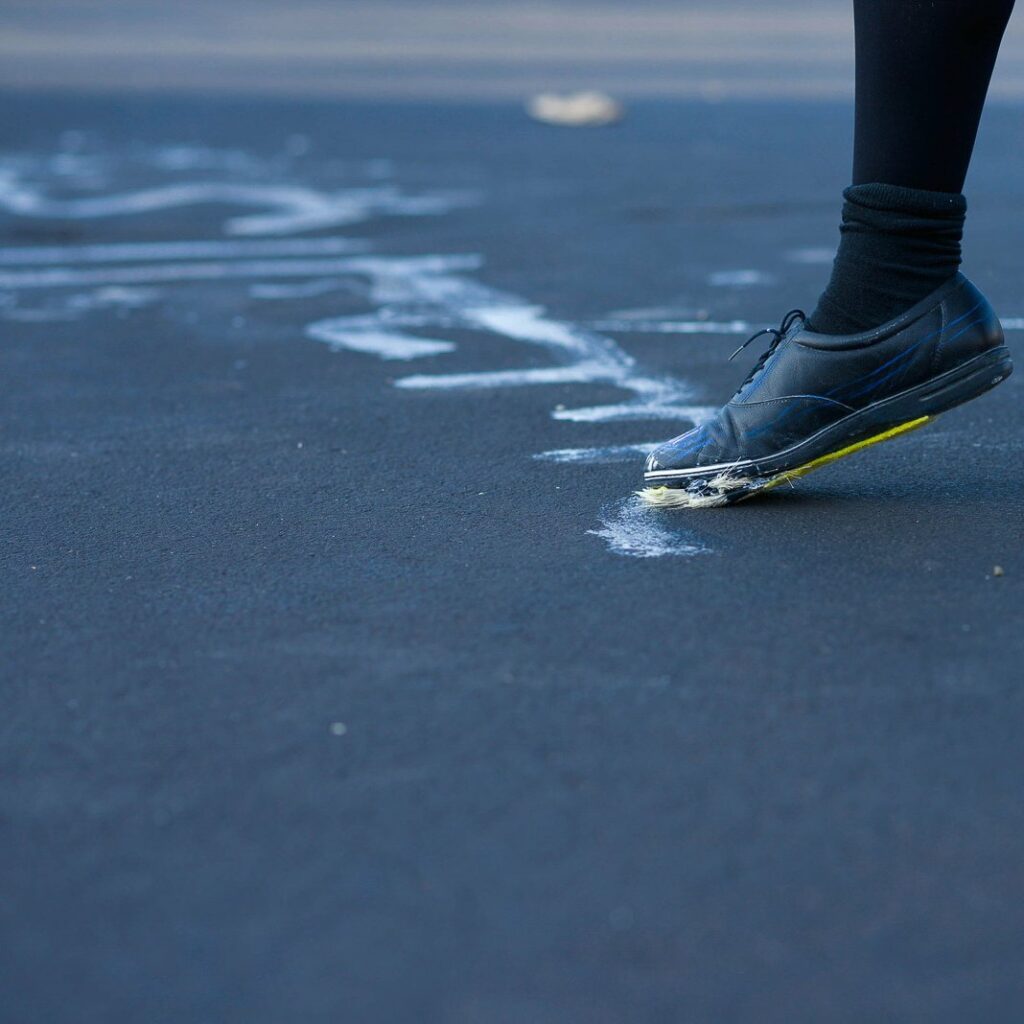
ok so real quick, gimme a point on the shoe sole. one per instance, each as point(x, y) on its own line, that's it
point(727, 483)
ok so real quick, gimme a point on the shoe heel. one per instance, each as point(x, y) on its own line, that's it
point(974, 378)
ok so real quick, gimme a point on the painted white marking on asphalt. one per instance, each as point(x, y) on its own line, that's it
point(632, 529)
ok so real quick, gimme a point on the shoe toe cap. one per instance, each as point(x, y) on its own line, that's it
point(683, 452)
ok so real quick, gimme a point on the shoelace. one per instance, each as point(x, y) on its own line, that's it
point(778, 333)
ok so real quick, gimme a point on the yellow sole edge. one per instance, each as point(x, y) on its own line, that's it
point(824, 460)
point(721, 487)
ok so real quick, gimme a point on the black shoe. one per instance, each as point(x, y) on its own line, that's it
point(813, 398)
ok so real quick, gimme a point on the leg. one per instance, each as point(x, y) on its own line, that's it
point(923, 68)
point(823, 389)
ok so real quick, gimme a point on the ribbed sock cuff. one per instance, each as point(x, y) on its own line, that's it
point(896, 246)
point(915, 201)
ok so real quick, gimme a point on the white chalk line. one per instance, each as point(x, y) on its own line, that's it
point(205, 249)
point(739, 278)
point(432, 291)
point(718, 327)
point(582, 373)
point(296, 208)
point(302, 290)
point(813, 255)
point(599, 456)
point(419, 292)
point(384, 344)
point(427, 290)
point(623, 326)
point(70, 277)
point(69, 307)
point(632, 529)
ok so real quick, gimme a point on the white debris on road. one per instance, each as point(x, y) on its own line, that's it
point(575, 110)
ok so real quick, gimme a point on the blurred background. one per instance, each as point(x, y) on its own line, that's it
point(443, 49)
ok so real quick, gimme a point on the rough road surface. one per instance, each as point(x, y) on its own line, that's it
point(344, 680)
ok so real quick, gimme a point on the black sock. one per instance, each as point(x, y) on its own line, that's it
point(896, 246)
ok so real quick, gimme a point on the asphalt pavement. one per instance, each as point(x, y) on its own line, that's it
point(344, 680)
